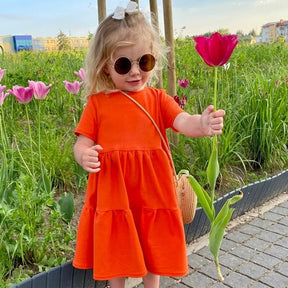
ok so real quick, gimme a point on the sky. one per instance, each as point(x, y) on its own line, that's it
point(46, 18)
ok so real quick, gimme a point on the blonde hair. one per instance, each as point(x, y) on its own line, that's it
point(112, 34)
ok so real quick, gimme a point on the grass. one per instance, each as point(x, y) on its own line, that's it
point(37, 164)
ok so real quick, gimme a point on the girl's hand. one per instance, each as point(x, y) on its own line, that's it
point(90, 161)
point(212, 122)
point(86, 154)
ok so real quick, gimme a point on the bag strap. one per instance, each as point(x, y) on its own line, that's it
point(157, 129)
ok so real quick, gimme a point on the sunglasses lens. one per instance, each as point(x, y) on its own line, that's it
point(122, 65)
point(147, 62)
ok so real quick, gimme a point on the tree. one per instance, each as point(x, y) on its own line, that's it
point(63, 42)
point(253, 33)
point(90, 35)
point(223, 31)
point(240, 33)
point(280, 39)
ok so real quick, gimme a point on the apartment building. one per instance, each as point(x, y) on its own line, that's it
point(271, 31)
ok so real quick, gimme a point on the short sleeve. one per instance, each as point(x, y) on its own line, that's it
point(169, 109)
point(87, 125)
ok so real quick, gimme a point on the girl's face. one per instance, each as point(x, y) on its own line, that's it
point(135, 79)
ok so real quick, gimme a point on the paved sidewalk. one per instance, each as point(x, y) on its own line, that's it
point(254, 253)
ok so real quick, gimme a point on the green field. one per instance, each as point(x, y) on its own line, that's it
point(38, 174)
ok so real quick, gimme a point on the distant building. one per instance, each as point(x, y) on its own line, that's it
point(16, 43)
point(271, 31)
point(49, 43)
point(7, 43)
point(38, 44)
point(282, 29)
point(79, 43)
point(22, 42)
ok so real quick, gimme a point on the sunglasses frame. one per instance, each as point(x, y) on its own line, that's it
point(138, 61)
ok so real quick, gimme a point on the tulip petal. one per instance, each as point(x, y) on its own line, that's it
point(40, 90)
point(73, 87)
point(23, 94)
point(2, 95)
point(80, 74)
point(217, 49)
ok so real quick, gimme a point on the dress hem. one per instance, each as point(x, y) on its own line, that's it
point(82, 267)
point(131, 275)
point(169, 274)
point(100, 278)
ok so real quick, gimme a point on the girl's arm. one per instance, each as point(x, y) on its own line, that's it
point(86, 154)
point(207, 124)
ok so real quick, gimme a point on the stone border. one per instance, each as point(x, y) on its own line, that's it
point(254, 195)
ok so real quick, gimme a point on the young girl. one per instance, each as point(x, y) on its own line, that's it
point(130, 224)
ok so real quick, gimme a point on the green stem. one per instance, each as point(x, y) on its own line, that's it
point(218, 269)
point(3, 134)
point(215, 144)
point(215, 167)
point(39, 135)
point(4, 167)
point(22, 158)
point(215, 88)
point(31, 141)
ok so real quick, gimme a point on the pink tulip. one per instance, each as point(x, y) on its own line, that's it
point(74, 87)
point(217, 49)
point(2, 71)
point(40, 90)
point(2, 95)
point(183, 83)
point(80, 74)
point(23, 94)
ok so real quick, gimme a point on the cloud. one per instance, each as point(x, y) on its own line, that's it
point(93, 6)
point(261, 3)
point(273, 4)
point(13, 17)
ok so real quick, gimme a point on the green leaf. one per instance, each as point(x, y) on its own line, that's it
point(213, 167)
point(66, 207)
point(203, 198)
point(45, 182)
point(219, 224)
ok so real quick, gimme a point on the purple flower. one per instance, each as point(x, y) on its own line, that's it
point(40, 90)
point(74, 87)
point(2, 71)
point(81, 74)
point(2, 95)
point(183, 83)
point(23, 94)
point(181, 102)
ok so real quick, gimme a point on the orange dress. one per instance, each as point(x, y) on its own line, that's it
point(130, 223)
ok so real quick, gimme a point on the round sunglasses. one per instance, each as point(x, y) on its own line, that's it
point(123, 65)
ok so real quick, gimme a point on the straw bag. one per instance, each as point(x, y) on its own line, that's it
point(186, 196)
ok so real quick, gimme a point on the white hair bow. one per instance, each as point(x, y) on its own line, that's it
point(119, 13)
